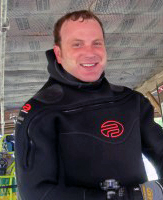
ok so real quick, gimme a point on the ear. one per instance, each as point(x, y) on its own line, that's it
point(57, 51)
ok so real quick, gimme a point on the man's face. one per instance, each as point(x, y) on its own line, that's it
point(82, 52)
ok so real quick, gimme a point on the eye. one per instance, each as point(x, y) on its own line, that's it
point(77, 45)
point(98, 43)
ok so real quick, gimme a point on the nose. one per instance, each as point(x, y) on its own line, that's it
point(89, 51)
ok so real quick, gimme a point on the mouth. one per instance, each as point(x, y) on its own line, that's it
point(89, 65)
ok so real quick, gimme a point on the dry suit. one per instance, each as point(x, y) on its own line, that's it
point(72, 135)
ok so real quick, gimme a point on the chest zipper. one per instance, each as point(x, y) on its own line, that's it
point(94, 105)
point(79, 108)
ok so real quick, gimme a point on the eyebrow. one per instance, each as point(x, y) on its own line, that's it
point(77, 40)
point(80, 40)
point(101, 40)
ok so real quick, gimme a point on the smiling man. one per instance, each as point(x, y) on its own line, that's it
point(81, 137)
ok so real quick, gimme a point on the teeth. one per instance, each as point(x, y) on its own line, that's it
point(88, 65)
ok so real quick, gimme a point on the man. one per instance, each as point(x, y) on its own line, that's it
point(80, 137)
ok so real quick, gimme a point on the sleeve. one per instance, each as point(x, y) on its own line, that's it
point(152, 136)
point(37, 163)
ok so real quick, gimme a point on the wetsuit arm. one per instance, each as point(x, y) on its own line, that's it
point(152, 136)
point(37, 166)
point(37, 163)
point(152, 147)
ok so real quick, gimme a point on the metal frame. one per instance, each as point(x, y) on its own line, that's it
point(4, 27)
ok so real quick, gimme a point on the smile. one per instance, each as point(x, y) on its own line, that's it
point(88, 65)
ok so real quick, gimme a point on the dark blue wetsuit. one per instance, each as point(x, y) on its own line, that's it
point(72, 135)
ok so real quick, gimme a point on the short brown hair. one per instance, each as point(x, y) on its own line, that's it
point(84, 14)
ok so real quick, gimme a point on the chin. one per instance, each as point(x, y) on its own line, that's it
point(89, 80)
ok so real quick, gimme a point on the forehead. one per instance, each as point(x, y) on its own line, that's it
point(81, 27)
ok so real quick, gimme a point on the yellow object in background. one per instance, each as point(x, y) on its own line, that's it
point(8, 187)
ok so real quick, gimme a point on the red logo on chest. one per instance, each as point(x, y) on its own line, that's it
point(112, 129)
